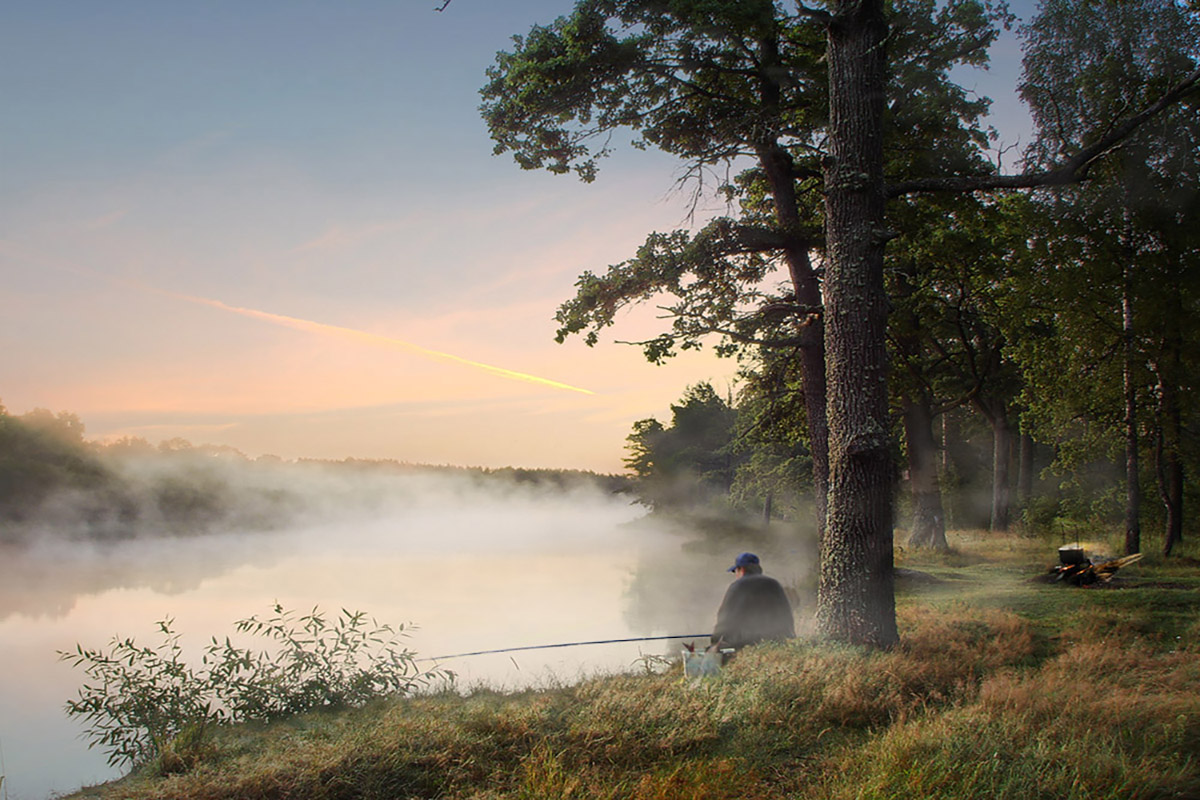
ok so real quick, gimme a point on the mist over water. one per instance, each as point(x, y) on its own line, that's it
point(475, 564)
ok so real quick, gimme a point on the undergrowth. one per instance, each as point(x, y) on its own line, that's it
point(151, 707)
point(1071, 695)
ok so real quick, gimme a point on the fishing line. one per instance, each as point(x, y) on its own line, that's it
point(563, 644)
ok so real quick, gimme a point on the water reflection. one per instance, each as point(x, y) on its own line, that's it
point(46, 580)
point(476, 573)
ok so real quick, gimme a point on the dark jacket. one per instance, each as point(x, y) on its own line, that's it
point(755, 608)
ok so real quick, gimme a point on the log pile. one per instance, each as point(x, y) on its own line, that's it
point(1082, 572)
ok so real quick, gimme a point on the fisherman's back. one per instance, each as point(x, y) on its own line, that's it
point(755, 609)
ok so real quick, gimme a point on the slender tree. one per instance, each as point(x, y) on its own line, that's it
point(1093, 61)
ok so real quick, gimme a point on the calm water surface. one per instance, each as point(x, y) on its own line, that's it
point(474, 571)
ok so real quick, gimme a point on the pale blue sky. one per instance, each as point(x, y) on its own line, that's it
point(323, 161)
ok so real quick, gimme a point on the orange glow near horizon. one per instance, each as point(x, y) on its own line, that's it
point(373, 339)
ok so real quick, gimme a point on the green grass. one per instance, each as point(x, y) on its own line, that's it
point(1004, 686)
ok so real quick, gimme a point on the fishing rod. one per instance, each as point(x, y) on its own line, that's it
point(563, 644)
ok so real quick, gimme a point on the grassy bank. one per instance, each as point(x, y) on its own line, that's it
point(1004, 687)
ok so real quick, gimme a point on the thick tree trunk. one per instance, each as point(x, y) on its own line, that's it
point(950, 435)
point(949, 430)
point(856, 598)
point(1173, 492)
point(1170, 489)
point(1025, 470)
point(928, 519)
point(1133, 491)
point(1001, 459)
point(1170, 465)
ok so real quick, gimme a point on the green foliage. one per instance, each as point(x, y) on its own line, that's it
point(691, 461)
point(1087, 64)
point(1125, 238)
point(682, 76)
point(145, 703)
point(772, 438)
point(710, 83)
point(745, 83)
point(53, 482)
point(713, 278)
point(313, 664)
point(945, 272)
point(138, 699)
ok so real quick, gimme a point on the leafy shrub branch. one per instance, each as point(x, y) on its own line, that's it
point(143, 704)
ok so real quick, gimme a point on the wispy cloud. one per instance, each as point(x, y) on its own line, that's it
point(106, 221)
point(180, 429)
point(340, 236)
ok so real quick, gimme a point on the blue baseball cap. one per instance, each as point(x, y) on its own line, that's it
point(743, 560)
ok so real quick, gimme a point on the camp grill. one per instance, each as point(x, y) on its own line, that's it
point(1071, 555)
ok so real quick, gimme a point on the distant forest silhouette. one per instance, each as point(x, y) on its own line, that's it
point(54, 482)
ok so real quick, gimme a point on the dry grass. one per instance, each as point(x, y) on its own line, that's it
point(1104, 719)
point(1077, 694)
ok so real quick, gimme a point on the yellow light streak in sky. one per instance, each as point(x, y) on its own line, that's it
point(295, 322)
point(373, 339)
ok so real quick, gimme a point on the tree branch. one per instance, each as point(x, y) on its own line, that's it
point(1074, 170)
point(824, 17)
point(700, 325)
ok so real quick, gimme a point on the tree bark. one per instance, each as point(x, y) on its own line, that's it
point(856, 597)
point(1169, 463)
point(778, 166)
point(1025, 468)
point(928, 519)
point(949, 471)
point(1170, 488)
point(1173, 499)
point(949, 431)
point(1001, 459)
point(1133, 491)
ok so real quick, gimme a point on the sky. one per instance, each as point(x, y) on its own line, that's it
point(279, 226)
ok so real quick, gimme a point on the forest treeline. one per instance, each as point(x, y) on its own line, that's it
point(55, 482)
point(745, 454)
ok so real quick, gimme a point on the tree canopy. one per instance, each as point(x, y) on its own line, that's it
point(833, 111)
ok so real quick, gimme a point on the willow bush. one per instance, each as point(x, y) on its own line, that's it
point(143, 704)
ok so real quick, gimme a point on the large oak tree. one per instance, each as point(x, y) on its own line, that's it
point(803, 92)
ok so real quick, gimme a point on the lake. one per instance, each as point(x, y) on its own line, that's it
point(474, 567)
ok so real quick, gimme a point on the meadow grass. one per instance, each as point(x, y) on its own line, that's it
point(1004, 686)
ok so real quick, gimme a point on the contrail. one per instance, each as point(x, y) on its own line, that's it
point(295, 322)
point(371, 338)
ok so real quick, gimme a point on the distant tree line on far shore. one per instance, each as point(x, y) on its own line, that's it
point(54, 482)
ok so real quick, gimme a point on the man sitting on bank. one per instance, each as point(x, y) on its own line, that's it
point(755, 607)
